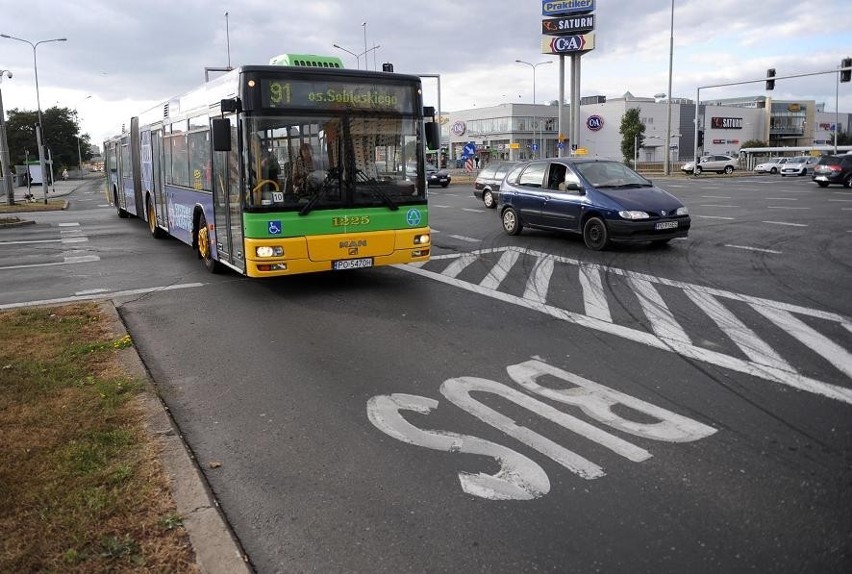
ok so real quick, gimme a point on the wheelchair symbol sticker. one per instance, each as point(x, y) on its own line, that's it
point(413, 217)
point(274, 227)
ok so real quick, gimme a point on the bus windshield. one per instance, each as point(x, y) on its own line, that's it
point(309, 163)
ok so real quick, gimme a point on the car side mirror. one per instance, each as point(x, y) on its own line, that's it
point(571, 186)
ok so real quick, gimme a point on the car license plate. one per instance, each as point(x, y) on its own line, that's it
point(820, 178)
point(352, 264)
point(666, 225)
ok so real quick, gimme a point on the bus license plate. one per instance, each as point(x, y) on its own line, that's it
point(666, 225)
point(352, 264)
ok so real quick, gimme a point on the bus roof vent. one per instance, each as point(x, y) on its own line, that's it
point(307, 60)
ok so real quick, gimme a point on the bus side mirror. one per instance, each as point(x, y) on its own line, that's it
point(221, 134)
point(433, 135)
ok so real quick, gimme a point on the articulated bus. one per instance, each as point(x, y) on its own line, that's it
point(274, 170)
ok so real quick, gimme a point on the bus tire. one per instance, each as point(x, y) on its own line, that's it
point(156, 231)
point(205, 247)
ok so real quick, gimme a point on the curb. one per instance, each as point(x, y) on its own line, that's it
point(217, 551)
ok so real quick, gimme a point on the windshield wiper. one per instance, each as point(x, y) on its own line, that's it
point(373, 186)
point(317, 197)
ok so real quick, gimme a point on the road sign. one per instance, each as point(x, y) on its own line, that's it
point(581, 151)
point(468, 150)
point(577, 43)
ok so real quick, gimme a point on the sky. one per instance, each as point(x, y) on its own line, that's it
point(122, 57)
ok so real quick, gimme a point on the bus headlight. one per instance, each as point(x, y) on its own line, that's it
point(422, 239)
point(269, 251)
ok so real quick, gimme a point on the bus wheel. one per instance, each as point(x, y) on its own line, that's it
point(121, 213)
point(205, 247)
point(156, 231)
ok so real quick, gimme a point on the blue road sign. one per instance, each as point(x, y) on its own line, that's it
point(468, 150)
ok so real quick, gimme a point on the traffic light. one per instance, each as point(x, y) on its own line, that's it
point(770, 82)
point(387, 67)
point(701, 138)
point(846, 75)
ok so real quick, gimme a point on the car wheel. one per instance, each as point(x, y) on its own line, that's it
point(803, 172)
point(729, 169)
point(697, 171)
point(595, 234)
point(511, 222)
point(489, 200)
point(445, 184)
point(773, 171)
point(822, 183)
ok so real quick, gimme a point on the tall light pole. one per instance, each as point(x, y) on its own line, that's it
point(667, 161)
point(77, 118)
point(534, 66)
point(38, 103)
point(5, 162)
point(364, 25)
point(357, 56)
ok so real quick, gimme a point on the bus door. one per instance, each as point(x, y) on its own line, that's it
point(226, 200)
point(157, 178)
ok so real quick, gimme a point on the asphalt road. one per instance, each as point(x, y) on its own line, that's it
point(516, 404)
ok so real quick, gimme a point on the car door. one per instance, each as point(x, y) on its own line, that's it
point(563, 199)
point(526, 194)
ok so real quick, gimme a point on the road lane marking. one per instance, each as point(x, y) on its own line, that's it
point(781, 198)
point(499, 272)
point(776, 371)
point(66, 261)
point(663, 322)
point(594, 298)
point(99, 296)
point(747, 248)
point(719, 205)
point(464, 238)
point(713, 217)
point(539, 280)
point(786, 223)
point(784, 207)
point(718, 196)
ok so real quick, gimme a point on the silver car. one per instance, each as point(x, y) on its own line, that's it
point(800, 165)
point(717, 163)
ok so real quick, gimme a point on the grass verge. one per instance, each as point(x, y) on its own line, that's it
point(28, 207)
point(81, 486)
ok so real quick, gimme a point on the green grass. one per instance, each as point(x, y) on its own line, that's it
point(81, 488)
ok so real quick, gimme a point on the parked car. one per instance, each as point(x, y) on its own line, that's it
point(717, 163)
point(834, 169)
point(772, 165)
point(602, 200)
point(435, 176)
point(800, 165)
point(486, 186)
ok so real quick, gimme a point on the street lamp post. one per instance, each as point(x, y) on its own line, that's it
point(5, 161)
point(358, 56)
point(38, 103)
point(534, 66)
point(77, 119)
point(667, 161)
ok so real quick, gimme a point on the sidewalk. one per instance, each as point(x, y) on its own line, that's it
point(59, 188)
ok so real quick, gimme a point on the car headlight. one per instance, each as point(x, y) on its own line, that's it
point(269, 251)
point(682, 211)
point(633, 214)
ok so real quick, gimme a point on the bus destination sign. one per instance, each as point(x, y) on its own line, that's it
point(335, 95)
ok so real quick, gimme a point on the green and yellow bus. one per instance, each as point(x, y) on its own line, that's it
point(274, 170)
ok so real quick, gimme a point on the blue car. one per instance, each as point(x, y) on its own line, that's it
point(603, 200)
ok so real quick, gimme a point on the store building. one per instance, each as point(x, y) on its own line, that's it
point(525, 131)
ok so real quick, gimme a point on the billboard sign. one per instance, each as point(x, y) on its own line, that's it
point(568, 25)
point(564, 7)
point(573, 44)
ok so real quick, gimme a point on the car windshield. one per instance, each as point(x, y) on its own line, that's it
point(798, 160)
point(610, 174)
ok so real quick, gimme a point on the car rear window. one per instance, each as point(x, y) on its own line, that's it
point(487, 171)
point(829, 160)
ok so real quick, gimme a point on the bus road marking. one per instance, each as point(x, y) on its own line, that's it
point(465, 238)
point(519, 477)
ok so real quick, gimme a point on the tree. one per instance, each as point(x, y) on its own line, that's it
point(59, 133)
point(631, 130)
point(754, 143)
